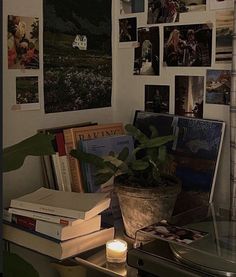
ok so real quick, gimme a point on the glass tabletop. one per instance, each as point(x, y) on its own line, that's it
point(208, 230)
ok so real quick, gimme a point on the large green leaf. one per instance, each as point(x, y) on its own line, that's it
point(37, 145)
point(136, 133)
point(14, 265)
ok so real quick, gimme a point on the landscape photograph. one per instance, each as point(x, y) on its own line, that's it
point(77, 55)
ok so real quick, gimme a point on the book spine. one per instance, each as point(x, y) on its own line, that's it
point(63, 162)
point(44, 217)
point(76, 178)
point(58, 174)
point(47, 209)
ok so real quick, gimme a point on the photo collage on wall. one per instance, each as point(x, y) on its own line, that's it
point(171, 39)
point(23, 57)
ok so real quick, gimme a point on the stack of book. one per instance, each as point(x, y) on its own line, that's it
point(56, 223)
point(63, 172)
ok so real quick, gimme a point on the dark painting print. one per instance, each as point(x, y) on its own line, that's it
point(195, 151)
point(77, 55)
point(157, 98)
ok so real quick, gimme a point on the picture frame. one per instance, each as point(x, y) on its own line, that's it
point(195, 151)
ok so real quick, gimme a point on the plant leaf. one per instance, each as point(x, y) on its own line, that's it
point(123, 155)
point(37, 145)
point(14, 265)
point(136, 133)
point(139, 165)
point(162, 153)
point(88, 158)
point(154, 132)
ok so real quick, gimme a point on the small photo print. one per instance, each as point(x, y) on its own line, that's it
point(131, 6)
point(188, 45)
point(157, 98)
point(218, 86)
point(160, 11)
point(165, 231)
point(27, 90)
point(189, 92)
point(128, 29)
point(224, 36)
point(23, 42)
point(147, 54)
point(221, 4)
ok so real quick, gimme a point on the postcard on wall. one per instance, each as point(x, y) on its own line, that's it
point(166, 231)
point(157, 98)
point(147, 54)
point(27, 94)
point(218, 86)
point(224, 33)
point(128, 32)
point(131, 6)
point(77, 55)
point(221, 4)
point(195, 151)
point(23, 42)
point(160, 11)
point(188, 45)
point(189, 91)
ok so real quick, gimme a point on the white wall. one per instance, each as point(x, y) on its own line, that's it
point(130, 88)
point(128, 96)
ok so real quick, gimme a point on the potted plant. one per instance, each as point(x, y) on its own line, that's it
point(145, 181)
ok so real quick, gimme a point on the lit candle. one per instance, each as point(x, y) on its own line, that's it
point(116, 251)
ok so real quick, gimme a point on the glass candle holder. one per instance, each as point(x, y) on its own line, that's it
point(116, 251)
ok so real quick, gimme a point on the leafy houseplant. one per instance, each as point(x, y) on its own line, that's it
point(13, 158)
point(146, 185)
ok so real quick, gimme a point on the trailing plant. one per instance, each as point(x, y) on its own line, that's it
point(149, 164)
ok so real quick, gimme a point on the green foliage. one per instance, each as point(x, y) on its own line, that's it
point(37, 145)
point(149, 164)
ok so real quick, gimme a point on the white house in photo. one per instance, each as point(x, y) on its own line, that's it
point(80, 42)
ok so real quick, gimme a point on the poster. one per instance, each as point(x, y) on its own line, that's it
point(195, 151)
point(23, 42)
point(77, 55)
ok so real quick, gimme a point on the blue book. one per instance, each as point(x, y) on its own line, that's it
point(103, 147)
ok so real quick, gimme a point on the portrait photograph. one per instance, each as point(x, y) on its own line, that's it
point(189, 91)
point(147, 54)
point(128, 29)
point(188, 45)
point(218, 86)
point(23, 42)
point(157, 98)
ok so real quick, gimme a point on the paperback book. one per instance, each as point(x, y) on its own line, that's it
point(63, 203)
point(57, 231)
point(54, 248)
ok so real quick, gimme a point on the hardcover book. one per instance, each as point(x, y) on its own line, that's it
point(55, 248)
point(63, 203)
point(74, 135)
point(54, 230)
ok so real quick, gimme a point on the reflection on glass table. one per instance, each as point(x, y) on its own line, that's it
point(204, 237)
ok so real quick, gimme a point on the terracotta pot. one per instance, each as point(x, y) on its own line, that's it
point(141, 207)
